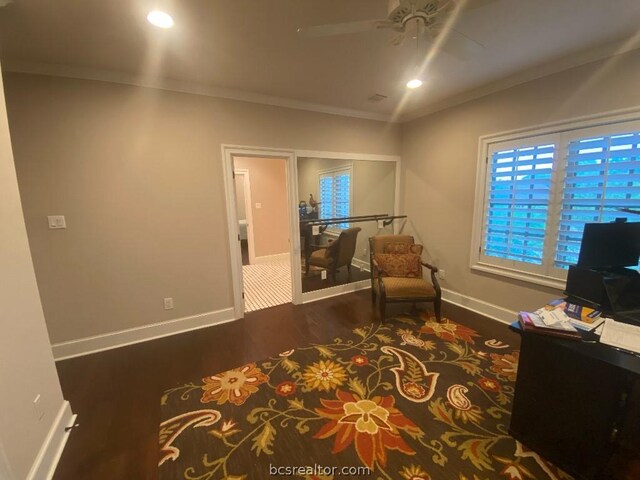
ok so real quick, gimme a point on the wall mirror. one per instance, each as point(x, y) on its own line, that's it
point(342, 195)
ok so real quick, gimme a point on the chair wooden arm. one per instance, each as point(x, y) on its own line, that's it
point(433, 268)
point(434, 279)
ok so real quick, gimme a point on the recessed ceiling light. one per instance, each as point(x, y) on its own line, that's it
point(160, 19)
point(414, 83)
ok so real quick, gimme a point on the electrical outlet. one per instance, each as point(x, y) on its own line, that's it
point(56, 222)
point(380, 223)
point(442, 274)
point(37, 408)
point(258, 205)
point(168, 303)
point(323, 274)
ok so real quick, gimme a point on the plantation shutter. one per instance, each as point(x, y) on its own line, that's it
point(326, 196)
point(602, 175)
point(518, 203)
point(335, 195)
point(342, 185)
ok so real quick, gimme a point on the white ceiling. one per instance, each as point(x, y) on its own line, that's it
point(251, 46)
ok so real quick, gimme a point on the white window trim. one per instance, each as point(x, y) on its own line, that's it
point(564, 130)
point(334, 231)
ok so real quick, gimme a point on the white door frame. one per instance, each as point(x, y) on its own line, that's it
point(248, 212)
point(228, 152)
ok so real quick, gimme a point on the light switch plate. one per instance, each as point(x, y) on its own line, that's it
point(57, 222)
point(168, 303)
point(258, 205)
point(380, 223)
point(315, 230)
point(323, 274)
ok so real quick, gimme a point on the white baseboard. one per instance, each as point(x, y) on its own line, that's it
point(280, 257)
point(361, 264)
point(334, 291)
point(487, 309)
point(49, 455)
point(107, 341)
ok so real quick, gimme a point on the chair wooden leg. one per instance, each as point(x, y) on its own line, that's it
point(383, 309)
point(437, 306)
point(348, 272)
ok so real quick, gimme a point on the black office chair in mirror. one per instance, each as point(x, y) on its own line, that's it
point(342, 203)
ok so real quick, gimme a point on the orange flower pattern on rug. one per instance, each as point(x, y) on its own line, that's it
point(449, 331)
point(505, 365)
point(233, 386)
point(373, 426)
point(410, 399)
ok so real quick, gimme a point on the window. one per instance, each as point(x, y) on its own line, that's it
point(519, 190)
point(602, 176)
point(335, 194)
point(537, 191)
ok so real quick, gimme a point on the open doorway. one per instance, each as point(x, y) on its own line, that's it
point(262, 208)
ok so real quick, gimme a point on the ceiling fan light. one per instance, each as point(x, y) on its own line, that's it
point(160, 19)
point(414, 83)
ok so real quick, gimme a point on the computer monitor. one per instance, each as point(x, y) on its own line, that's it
point(607, 245)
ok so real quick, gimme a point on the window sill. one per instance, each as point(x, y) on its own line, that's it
point(534, 278)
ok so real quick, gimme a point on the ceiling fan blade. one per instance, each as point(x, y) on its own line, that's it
point(344, 28)
point(398, 40)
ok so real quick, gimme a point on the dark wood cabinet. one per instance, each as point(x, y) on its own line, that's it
point(578, 405)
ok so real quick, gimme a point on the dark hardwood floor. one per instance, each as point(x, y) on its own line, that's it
point(116, 393)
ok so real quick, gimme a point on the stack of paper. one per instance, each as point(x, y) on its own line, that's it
point(621, 335)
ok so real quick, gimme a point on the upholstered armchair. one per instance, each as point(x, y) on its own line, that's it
point(396, 273)
point(335, 255)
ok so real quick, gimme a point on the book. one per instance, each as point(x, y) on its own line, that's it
point(587, 326)
point(532, 322)
point(558, 303)
point(573, 310)
point(584, 314)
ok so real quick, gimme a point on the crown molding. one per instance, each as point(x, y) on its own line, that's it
point(561, 64)
point(83, 73)
point(566, 62)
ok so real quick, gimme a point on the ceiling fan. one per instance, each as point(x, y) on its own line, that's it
point(410, 17)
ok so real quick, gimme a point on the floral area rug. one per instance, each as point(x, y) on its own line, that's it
point(411, 399)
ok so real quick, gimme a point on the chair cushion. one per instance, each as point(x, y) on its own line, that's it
point(320, 258)
point(399, 264)
point(403, 247)
point(397, 287)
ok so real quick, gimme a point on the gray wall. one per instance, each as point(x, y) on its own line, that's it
point(138, 174)
point(439, 154)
